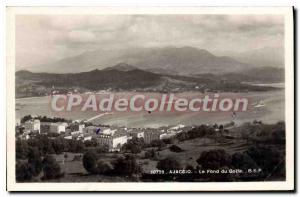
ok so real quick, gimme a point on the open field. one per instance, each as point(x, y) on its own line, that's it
point(75, 172)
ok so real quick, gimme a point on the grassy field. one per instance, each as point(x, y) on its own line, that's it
point(75, 172)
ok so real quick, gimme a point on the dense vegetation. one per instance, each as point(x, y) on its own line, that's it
point(41, 84)
point(44, 119)
point(122, 166)
point(262, 159)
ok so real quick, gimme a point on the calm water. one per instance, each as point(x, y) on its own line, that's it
point(273, 111)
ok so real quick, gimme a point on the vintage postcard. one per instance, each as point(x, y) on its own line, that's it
point(150, 99)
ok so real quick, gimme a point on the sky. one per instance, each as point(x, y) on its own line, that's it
point(43, 39)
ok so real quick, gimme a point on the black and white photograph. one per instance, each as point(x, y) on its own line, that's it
point(112, 97)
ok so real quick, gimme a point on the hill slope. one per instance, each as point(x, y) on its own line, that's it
point(183, 60)
point(124, 77)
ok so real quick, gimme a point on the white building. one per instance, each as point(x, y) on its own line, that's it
point(81, 127)
point(51, 127)
point(114, 143)
point(18, 122)
point(24, 136)
point(69, 137)
point(84, 137)
point(166, 136)
point(77, 127)
point(109, 131)
point(33, 125)
point(65, 124)
point(87, 138)
point(75, 133)
point(90, 129)
point(150, 136)
point(57, 128)
point(176, 128)
point(137, 134)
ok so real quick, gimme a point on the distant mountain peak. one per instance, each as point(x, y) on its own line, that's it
point(188, 48)
point(122, 67)
point(23, 71)
point(95, 70)
point(181, 60)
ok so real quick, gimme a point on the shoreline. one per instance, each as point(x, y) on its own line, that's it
point(242, 92)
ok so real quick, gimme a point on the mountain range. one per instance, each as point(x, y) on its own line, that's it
point(167, 60)
point(125, 77)
point(263, 57)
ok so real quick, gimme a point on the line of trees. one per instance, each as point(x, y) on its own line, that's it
point(197, 132)
point(122, 166)
point(44, 119)
point(48, 146)
point(37, 164)
point(268, 162)
point(33, 156)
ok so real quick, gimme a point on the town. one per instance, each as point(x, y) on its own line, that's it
point(57, 149)
point(111, 136)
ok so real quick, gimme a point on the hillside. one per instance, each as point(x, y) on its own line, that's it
point(125, 77)
point(259, 75)
point(180, 60)
point(266, 57)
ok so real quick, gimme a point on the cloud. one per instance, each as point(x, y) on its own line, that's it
point(44, 38)
point(81, 36)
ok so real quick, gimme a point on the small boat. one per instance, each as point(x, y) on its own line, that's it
point(259, 105)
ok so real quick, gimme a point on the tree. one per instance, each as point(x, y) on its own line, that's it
point(242, 161)
point(90, 161)
point(104, 168)
point(26, 118)
point(150, 154)
point(189, 167)
point(157, 143)
point(197, 132)
point(268, 159)
point(214, 159)
point(175, 149)
point(21, 149)
point(134, 145)
point(104, 148)
point(91, 143)
point(43, 143)
point(171, 140)
point(76, 146)
point(58, 145)
point(35, 161)
point(135, 149)
point(126, 166)
point(51, 168)
point(23, 172)
point(168, 164)
point(66, 156)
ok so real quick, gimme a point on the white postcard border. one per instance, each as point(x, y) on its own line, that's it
point(141, 186)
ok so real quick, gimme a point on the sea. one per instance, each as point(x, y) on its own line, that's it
point(271, 110)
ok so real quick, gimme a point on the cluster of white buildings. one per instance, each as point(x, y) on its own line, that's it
point(113, 142)
point(51, 127)
point(163, 133)
point(32, 125)
point(112, 137)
